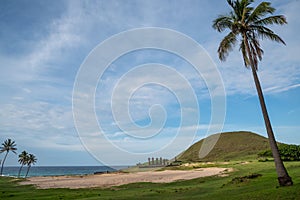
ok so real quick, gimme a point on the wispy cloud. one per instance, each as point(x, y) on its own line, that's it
point(36, 82)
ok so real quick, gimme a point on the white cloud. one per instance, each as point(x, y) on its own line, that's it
point(37, 84)
point(39, 124)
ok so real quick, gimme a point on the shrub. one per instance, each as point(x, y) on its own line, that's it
point(288, 152)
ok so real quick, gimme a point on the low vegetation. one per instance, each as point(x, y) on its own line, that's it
point(288, 152)
point(249, 180)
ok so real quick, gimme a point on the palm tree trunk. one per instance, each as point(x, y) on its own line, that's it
point(27, 170)
point(3, 162)
point(20, 170)
point(283, 178)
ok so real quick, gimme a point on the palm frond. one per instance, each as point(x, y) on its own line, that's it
point(244, 54)
point(222, 22)
point(276, 19)
point(226, 45)
point(256, 47)
point(261, 10)
point(246, 12)
point(231, 3)
point(253, 55)
point(265, 32)
point(238, 9)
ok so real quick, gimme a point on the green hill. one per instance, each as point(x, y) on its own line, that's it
point(230, 146)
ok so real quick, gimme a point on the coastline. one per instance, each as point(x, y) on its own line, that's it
point(12, 171)
point(121, 178)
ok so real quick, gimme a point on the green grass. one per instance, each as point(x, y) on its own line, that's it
point(239, 184)
point(230, 146)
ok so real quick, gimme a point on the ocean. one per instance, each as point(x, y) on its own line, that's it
point(59, 170)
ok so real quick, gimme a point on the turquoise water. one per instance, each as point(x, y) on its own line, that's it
point(59, 170)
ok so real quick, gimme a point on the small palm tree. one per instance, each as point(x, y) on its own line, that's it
point(31, 161)
point(23, 158)
point(249, 24)
point(7, 146)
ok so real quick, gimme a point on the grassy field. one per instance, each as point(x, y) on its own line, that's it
point(253, 180)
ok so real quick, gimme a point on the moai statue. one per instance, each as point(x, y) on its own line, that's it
point(152, 161)
point(149, 162)
point(156, 161)
point(160, 161)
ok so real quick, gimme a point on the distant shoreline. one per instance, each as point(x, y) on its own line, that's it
point(60, 170)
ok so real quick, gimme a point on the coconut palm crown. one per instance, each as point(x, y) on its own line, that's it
point(248, 25)
point(7, 146)
point(30, 161)
point(23, 159)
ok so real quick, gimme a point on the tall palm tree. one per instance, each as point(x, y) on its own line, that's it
point(31, 161)
point(7, 146)
point(249, 24)
point(23, 158)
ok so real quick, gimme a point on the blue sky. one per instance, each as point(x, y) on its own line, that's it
point(44, 43)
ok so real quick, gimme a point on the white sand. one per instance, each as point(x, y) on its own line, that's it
point(114, 179)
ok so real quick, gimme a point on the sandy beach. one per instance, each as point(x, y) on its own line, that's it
point(114, 179)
